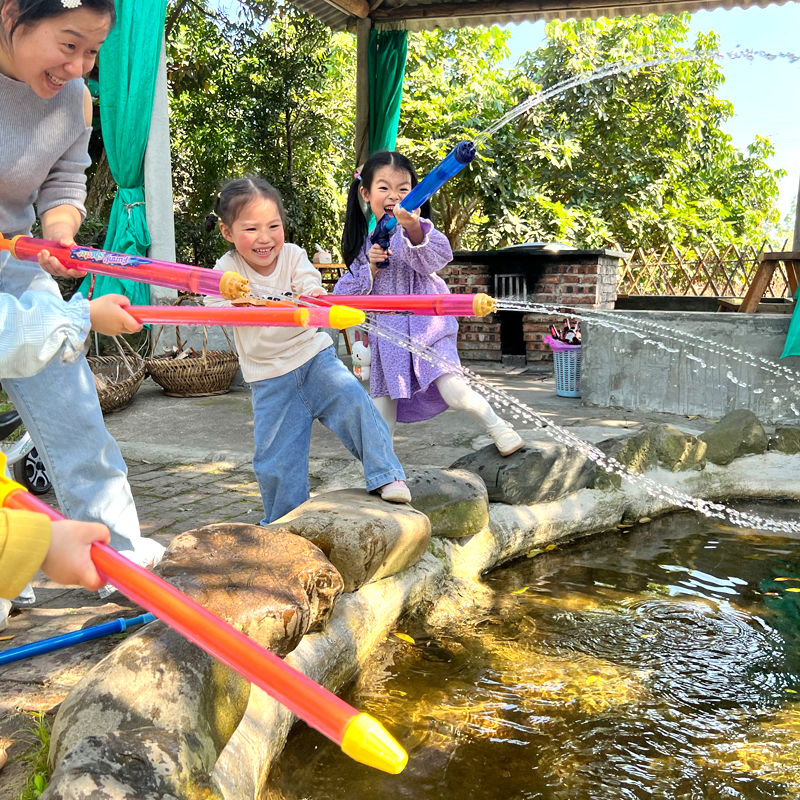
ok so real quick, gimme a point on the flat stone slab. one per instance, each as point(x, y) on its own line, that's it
point(272, 587)
point(364, 537)
point(538, 473)
point(454, 500)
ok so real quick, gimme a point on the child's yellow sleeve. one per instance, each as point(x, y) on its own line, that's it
point(24, 541)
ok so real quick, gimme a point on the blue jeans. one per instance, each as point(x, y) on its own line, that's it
point(60, 409)
point(284, 409)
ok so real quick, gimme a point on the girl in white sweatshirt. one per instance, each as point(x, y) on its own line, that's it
point(294, 373)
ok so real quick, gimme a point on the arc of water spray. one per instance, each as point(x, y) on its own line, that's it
point(621, 68)
point(562, 435)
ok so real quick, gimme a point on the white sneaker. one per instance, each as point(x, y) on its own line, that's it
point(5, 610)
point(26, 598)
point(148, 556)
point(395, 492)
point(506, 439)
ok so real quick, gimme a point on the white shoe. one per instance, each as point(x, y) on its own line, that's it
point(148, 556)
point(395, 492)
point(5, 610)
point(507, 440)
point(26, 598)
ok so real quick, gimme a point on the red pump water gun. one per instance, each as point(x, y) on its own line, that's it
point(359, 735)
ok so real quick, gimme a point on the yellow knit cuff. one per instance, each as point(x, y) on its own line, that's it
point(24, 541)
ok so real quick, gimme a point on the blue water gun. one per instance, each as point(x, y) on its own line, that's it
point(458, 158)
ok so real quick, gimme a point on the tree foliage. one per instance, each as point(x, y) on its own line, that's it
point(638, 158)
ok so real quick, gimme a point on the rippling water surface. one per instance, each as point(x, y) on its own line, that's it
point(660, 662)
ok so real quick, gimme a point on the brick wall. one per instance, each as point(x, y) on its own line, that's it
point(578, 279)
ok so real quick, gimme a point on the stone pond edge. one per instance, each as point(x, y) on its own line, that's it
point(362, 619)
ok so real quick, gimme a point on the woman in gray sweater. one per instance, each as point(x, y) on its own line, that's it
point(45, 48)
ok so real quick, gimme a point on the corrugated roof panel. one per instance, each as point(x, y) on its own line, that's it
point(503, 13)
point(335, 19)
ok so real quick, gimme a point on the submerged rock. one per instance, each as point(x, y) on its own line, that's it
point(454, 500)
point(537, 473)
point(159, 696)
point(364, 537)
point(736, 434)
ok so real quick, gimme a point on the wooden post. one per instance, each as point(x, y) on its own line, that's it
point(363, 27)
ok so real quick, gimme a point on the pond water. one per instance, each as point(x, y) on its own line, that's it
point(661, 661)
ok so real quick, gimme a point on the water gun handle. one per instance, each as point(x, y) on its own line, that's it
point(382, 235)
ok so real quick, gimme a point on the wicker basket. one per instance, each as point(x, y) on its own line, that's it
point(117, 378)
point(209, 374)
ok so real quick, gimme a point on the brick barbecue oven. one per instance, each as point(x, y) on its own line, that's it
point(533, 273)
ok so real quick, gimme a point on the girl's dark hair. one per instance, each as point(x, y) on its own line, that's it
point(32, 12)
point(236, 194)
point(355, 223)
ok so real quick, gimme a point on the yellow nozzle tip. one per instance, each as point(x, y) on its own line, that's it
point(368, 742)
point(7, 486)
point(345, 317)
point(482, 305)
point(232, 285)
point(301, 316)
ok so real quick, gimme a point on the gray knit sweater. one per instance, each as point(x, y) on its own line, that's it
point(43, 153)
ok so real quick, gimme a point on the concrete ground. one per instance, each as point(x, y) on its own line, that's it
point(189, 462)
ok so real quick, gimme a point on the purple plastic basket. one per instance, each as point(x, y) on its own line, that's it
point(567, 364)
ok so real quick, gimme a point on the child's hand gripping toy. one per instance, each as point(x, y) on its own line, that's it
point(362, 357)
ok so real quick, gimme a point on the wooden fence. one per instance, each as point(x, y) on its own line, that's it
point(698, 272)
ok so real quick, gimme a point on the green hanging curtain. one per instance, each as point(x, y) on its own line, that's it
point(387, 66)
point(792, 347)
point(128, 67)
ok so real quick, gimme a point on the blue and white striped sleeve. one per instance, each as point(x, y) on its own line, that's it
point(38, 327)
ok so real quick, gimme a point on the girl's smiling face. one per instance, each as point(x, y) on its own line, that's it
point(257, 234)
point(53, 51)
point(389, 187)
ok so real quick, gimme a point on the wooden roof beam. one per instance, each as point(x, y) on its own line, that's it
point(355, 8)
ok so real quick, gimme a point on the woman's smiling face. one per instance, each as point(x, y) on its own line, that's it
point(53, 51)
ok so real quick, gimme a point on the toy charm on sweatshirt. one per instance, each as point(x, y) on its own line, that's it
point(362, 356)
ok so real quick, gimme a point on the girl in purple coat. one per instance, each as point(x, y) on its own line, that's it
point(406, 387)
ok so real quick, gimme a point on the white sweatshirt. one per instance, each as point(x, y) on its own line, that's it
point(271, 352)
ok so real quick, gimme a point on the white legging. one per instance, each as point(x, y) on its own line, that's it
point(457, 395)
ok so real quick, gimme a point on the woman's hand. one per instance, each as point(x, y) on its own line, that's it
point(69, 560)
point(109, 317)
point(377, 255)
point(52, 265)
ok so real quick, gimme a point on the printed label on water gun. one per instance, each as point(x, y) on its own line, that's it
point(104, 257)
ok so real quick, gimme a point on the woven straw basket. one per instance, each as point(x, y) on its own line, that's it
point(117, 378)
point(212, 373)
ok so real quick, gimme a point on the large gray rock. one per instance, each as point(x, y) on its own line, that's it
point(786, 440)
point(145, 764)
point(273, 586)
point(536, 474)
point(654, 445)
point(454, 500)
point(736, 434)
point(364, 537)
